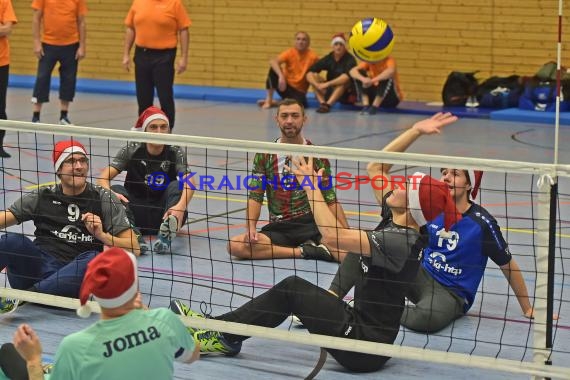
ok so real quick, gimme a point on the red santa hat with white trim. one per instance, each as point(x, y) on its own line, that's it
point(428, 198)
point(63, 149)
point(148, 115)
point(111, 278)
point(475, 177)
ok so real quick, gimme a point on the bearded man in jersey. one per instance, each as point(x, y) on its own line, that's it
point(74, 220)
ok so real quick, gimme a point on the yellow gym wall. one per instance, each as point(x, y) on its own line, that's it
point(232, 40)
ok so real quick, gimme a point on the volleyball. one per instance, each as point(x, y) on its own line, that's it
point(371, 40)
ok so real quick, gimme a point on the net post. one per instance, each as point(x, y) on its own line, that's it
point(543, 296)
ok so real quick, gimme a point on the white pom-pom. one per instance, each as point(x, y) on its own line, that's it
point(84, 311)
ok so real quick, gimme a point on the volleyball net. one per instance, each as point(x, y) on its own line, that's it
point(527, 199)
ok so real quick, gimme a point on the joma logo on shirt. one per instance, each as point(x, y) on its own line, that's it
point(130, 341)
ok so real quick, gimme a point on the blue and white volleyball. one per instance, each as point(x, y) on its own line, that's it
point(371, 40)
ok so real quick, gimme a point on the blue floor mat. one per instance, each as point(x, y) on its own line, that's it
point(527, 116)
point(237, 95)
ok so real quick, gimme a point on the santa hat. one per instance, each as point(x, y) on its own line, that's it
point(64, 149)
point(111, 278)
point(339, 37)
point(475, 177)
point(428, 197)
point(148, 115)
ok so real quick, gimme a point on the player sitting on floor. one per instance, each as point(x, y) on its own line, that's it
point(389, 261)
point(155, 199)
point(127, 342)
point(74, 220)
point(440, 296)
point(292, 231)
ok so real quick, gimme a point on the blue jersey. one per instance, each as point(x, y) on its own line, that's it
point(458, 262)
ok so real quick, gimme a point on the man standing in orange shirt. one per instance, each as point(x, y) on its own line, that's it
point(7, 19)
point(63, 41)
point(155, 28)
point(287, 72)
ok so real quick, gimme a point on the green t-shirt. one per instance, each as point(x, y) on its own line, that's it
point(139, 345)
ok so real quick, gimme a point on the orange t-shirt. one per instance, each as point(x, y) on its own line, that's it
point(156, 22)
point(296, 66)
point(60, 20)
point(375, 69)
point(6, 15)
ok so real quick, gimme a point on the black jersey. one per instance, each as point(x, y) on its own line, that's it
point(146, 173)
point(57, 217)
point(395, 253)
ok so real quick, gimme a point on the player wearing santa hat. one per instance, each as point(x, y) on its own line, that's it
point(74, 219)
point(389, 259)
point(453, 264)
point(156, 201)
point(128, 342)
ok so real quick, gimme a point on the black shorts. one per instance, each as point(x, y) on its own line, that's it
point(292, 232)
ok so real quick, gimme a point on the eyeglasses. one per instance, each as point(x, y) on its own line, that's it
point(72, 161)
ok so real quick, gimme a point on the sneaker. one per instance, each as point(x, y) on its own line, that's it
point(143, 245)
point(213, 342)
point(372, 110)
point(166, 233)
point(35, 119)
point(295, 321)
point(365, 110)
point(168, 228)
point(47, 368)
point(180, 308)
point(312, 251)
point(324, 108)
point(64, 121)
point(161, 246)
point(8, 305)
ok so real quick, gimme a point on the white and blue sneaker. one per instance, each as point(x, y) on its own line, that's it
point(8, 305)
point(166, 233)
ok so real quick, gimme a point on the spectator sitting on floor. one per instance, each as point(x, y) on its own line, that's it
point(378, 81)
point(338, 85)
point(287, 72)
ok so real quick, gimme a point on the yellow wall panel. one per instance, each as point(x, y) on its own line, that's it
point(232, 40)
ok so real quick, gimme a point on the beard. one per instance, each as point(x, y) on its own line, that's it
point(290, 132)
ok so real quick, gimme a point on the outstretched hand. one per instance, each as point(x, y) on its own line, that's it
point(435, 123)
point(305, 172)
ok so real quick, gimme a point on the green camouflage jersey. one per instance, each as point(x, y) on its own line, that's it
point(286, 198)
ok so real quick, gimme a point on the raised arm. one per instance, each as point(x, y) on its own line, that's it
point(378, 172)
